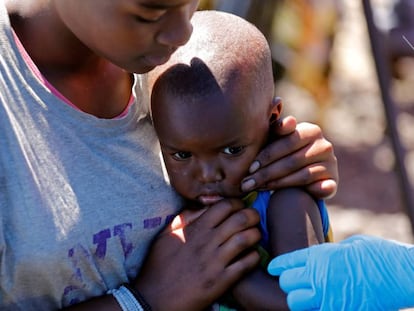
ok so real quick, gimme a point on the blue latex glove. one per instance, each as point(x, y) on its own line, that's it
point(360, 273)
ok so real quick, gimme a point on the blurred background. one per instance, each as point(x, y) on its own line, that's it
point(326, 74)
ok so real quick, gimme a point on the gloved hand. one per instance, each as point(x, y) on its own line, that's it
point(360, 273)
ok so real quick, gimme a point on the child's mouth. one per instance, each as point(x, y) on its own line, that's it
point(209, 199)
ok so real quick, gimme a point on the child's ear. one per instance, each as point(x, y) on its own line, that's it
point(275, 109)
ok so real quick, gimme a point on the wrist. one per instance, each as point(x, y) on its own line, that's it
point(139, 297)
point(130, 299)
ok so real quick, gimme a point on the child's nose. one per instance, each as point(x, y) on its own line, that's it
point(210, 172)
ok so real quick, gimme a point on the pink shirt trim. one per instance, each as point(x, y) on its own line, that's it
point(32, 66)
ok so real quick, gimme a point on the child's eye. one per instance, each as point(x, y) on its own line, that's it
point(233, 150)
point(182, 155)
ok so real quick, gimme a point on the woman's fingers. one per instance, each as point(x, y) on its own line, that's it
point(301, 158)
point(204, 255)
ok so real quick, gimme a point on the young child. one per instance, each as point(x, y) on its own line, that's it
point(212, 109)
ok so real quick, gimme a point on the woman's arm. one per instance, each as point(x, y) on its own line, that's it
point(300, 156)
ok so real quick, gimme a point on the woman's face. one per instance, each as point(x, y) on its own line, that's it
point(136, 35)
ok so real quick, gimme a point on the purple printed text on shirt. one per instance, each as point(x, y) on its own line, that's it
point(120, 231)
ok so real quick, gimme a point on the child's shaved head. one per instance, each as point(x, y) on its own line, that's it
point(24, 7)
point(230, 47)
point(212, 104)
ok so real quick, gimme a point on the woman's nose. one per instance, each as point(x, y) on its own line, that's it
point(176, 29)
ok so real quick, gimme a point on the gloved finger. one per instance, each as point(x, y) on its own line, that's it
point(294, 279)
point(371, 239)
point(303, 299)
point(353, 238)
point(287, 261)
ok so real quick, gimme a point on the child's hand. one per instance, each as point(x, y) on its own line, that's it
point(300, 156)
point(192, 263)
point(360, 273)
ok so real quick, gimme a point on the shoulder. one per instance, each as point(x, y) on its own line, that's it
point(293, 195)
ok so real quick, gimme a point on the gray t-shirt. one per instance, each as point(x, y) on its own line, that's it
point(81, 198)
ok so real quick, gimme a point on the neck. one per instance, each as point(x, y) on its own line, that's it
point(90, 82)
point(50, 44)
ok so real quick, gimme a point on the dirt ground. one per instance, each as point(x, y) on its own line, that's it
point(368, 200)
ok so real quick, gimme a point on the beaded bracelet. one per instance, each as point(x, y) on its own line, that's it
point(138, 296)
point(126, 299)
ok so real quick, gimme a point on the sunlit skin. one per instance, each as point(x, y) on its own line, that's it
point(209, 143)
point(87, 49)
point(145, 33)
point(73, 44)
point(212, 111)
point(177, 226)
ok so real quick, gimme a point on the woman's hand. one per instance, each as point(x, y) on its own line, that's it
point(195, 260)
point(300, 156)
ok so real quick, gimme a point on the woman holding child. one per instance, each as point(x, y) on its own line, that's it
point(84, 203)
